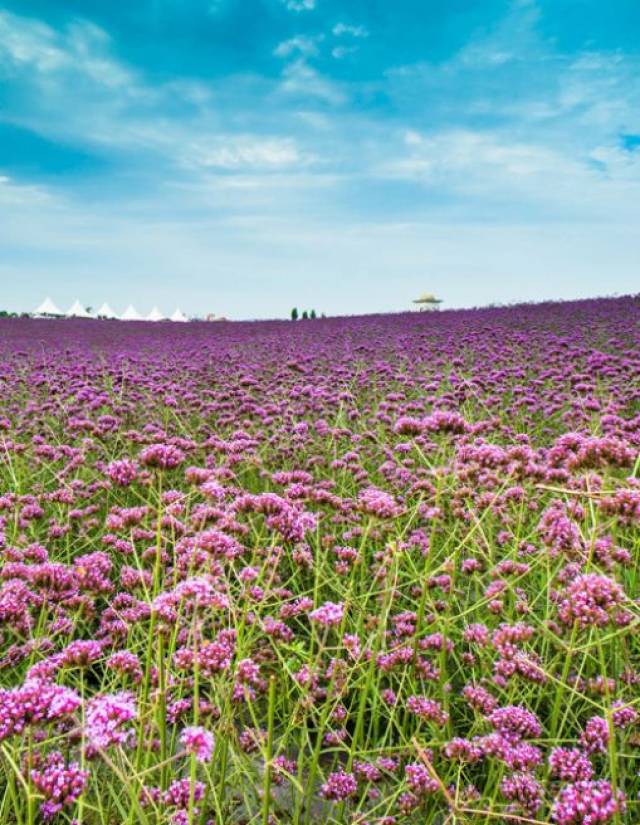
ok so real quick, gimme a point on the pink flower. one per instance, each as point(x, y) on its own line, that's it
point(122, 472)
point(515, 723)
point(378, 503)
point(524, 790)
point(339, 786)
point(420, 780)
point(106, 720)
point(198, 742)
point(329, 614)
point(590, 599)
point(587, 803)
point(60, 783)
point(570, 765)
point(427, 709)
point(163, 456)
point(595, 737)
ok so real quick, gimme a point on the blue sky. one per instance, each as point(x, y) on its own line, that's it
point(243, 156)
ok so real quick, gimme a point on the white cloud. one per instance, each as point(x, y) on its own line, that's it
point(300, 5)
point(342, 30)
point(300, 44)
point(234, 152)
point(355, 31)
point(494, 167)
point(14, 194)
point(340, 52)
point(301, 79)
point(81, 49)
point(84, 95)
point(515, 37)
point(465, 151)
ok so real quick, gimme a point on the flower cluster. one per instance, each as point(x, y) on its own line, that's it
point(587, 803)
point(199, 742)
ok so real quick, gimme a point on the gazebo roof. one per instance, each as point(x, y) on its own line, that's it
point(427, 298)
point(179, 316)
point(47, 307)
point(76, 310)
point(105, 311)
point(155, 315)
point(131, 314)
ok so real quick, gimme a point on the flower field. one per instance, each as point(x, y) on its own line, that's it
point(362, 570)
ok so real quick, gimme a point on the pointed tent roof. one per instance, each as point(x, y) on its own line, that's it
point(179, 315)
point(47, 307)
point(155, 315)
point(105, 311)
point(131, 314)
point(77, 311)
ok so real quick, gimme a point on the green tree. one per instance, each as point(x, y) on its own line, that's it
point(312, 314)
point(294, 314)
point(305, 315)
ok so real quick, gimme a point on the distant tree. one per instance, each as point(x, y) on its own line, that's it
point(294, 314)
point(89, 310)
point(305, 315)
point(4, 313)
point(312, 314)
point(324, 315)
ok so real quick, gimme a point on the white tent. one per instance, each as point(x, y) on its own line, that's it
point(77, 311)
point(130, 314)
point(155, 315)
point(47, 307)
point(105, 311)
point(179, 315)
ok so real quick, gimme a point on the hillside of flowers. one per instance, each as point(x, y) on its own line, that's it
point(377, 570)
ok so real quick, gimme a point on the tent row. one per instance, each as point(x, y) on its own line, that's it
point(48, 309)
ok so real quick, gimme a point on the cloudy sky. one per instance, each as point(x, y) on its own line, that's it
point(243, 156)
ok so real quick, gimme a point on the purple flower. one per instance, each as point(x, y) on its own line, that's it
point(378, 503)
point(587, 803)
point(570, 765)
point(163, 456)
point(524, 790)
point(515, 723)
point(122, 472)
point(590, 599)
point(199, 742)
point(595, 737)
point(180, 793)
point(106, 719)
point(339, 786)
point(428, 709)
point(420, 780)
point(328, 615)
point(60, 783)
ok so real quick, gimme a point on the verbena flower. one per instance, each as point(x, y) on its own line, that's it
point(199, 742)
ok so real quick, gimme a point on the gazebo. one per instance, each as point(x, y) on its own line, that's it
point(155, 315)
point(47, 309)
point(428, 301)
point(179, 316)
point(131, 314)
point(76, 310)
point(105, 311)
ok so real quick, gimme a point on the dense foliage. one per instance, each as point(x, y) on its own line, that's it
point(367, 570)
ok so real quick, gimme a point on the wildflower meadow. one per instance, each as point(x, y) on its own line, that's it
point(369, 570)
